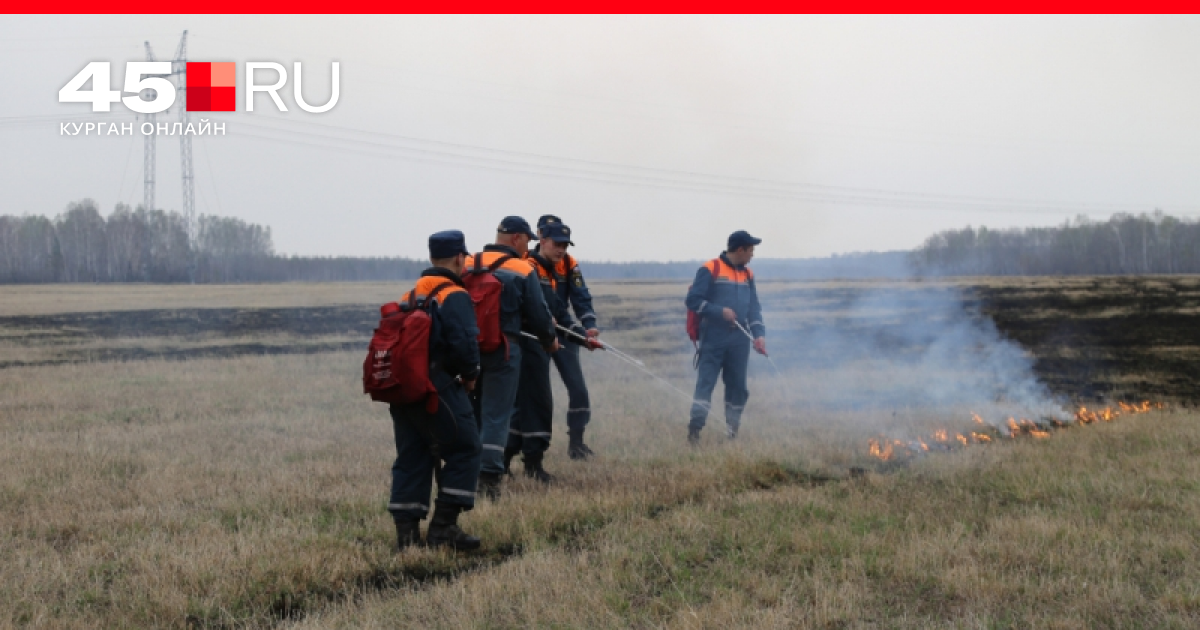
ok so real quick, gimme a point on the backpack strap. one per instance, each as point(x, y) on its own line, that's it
point(478, 267)
point(499, 261)
point(412, 303)
point(429, 299)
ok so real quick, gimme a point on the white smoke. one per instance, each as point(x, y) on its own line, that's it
point(906, 346)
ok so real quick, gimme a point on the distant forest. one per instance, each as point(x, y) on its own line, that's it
point(1124, 244)
point(139, 245)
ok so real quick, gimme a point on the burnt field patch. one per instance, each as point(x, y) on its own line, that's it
point(1112, 338)
point(1115, 338)
point(190, 333)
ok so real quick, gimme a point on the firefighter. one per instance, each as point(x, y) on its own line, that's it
point(571, 290)
point(724, 296)
point(523, 308)
point(533, 420)
point(449, 437)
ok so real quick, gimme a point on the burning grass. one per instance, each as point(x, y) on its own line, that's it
point(891, 449)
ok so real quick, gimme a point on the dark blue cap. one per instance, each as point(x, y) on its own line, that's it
point(557, 232)
point(447, 244)
point(741, 238)
point(547, 218)
point(515, 225)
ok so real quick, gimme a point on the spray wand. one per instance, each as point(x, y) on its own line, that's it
point(630, 360)
point(751, 338)
point(604, 345)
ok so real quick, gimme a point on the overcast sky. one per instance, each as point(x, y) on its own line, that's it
point(653, 137)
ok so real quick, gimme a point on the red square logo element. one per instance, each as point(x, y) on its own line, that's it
point(211, 86)
point(199, 99)
point(199, 74)
point(223, 99)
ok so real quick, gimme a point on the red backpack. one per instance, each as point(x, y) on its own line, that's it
point(484, 289)
point(693, 318)
point(396, 369)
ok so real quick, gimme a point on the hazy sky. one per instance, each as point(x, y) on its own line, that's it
point(653, 137)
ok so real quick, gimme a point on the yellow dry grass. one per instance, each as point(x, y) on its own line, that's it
point(250, 492)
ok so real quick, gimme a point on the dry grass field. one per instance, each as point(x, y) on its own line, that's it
point(203, 457)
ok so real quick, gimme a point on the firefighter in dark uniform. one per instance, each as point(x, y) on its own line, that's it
point(533, 420)
point(572, 290)
point(725, 297)
point(523, 309)
point(449, 437)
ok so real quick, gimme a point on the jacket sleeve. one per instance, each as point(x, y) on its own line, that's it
point(581, 298)
point(562, 316)
point(460, 334)
point(697, 297)
point(754, 320)
point(534, 310)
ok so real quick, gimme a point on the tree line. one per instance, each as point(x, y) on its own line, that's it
point(1151, 243)
point(140, 245)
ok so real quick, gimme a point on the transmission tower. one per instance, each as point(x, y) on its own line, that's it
point(179, 74)
point(149, 158)
point(179, 71)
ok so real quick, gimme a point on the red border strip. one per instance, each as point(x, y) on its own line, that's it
point(619, 6)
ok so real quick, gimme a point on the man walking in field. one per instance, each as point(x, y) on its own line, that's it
point(724, 296)
point(449, 437)
point(522, 308)
point(572, 290)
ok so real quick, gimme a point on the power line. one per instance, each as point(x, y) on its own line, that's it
point(613, 173)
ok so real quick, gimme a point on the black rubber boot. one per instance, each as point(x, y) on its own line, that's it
point(445, 532)
point(576, 449)
point(509, 454)
point(693, 437)
point(534, 470)
point(408, 533)
point(489, 486)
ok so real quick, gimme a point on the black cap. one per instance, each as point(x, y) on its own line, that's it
point(547, 218)
point(741, 238)
point(515, 225)
point(557, 232)
point(447, 244)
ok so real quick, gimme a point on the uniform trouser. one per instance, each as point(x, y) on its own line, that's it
point(453, 434)
point(729, 358)
point(579, 411)
point(493, 400)
point(531, 426)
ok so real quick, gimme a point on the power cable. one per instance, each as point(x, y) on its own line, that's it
point(709, 178)
point(696, 182)
point(125, 171)
point(212, 180)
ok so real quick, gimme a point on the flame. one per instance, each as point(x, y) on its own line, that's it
point(886, 449)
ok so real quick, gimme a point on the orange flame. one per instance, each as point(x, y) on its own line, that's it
point(888, 449)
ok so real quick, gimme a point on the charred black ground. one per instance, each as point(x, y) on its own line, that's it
point(1110, 338)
